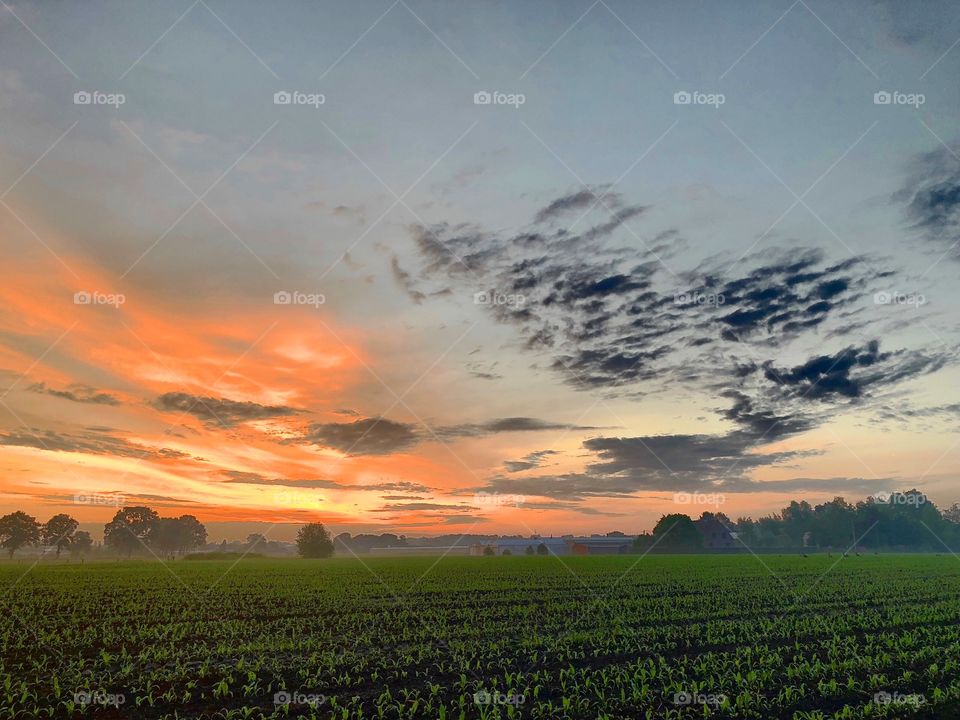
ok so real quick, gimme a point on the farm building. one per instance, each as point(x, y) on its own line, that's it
point(567, 545)
point(715, 534)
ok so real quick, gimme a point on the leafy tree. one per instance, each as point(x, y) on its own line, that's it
point(59, 530)
point(130, 529)
point(255, 539)
point(82, 542)
point(18, 530)
point(488, 550)
point(192, 534)
point(313, 541)
point(542, 549)
point(507, 551)
point(529, 550)
point(677, 532)
point(172, 535)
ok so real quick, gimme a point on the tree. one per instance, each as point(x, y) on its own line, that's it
point(542, 549)
point(255, 539)
point(177, 535)
point(130, 529)
point(59, 531)
point(191, 533)
point(677, 532)
point(82, 542)
point(507, 551)
point(529, 550)
point(488, 550)
point(313, 541)
point(17, 530)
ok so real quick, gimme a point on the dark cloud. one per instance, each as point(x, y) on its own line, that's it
point(610, 316)
point(251, 478)
point(420, 506)
point(248, 478)
point(529, 462)
point(580, 200)
point(93, 442)
point(851, 372)
point(368, 436)
point(930, 199)
point(405, 281)
point(219, 412)
point(76, 393)
point(505, 425)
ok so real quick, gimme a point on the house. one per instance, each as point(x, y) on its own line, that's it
point(567, 545)
point(715, 534)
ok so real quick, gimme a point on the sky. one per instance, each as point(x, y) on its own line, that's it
point(455, 267)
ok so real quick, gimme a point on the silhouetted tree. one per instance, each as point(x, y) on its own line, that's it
point(677, 532)
point(59, 531)
point(130, 529)
point(18, 530)
point(313, 541)
point(82, 542)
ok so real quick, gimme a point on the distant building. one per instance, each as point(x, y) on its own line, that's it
point(715, 534)
point(567, 545)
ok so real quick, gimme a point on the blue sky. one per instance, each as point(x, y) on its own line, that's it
point(399, 199)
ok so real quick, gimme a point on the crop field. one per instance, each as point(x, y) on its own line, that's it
point(503, 637)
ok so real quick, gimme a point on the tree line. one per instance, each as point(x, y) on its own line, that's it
point(907, 521)
point(132, 530)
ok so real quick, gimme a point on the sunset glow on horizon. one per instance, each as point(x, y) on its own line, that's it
point(426, 308)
